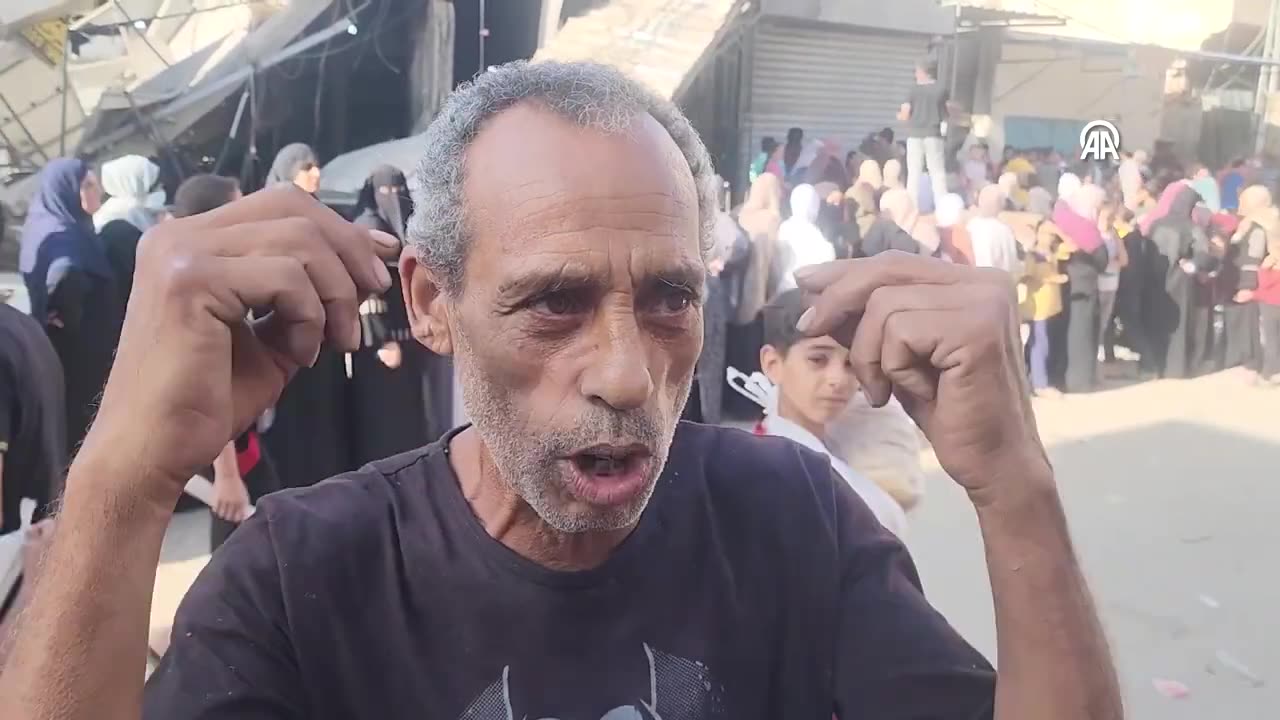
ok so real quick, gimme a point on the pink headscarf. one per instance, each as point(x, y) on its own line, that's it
point(1082, 232)
point(1162, 208)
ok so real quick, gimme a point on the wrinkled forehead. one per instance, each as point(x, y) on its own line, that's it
point(534, 179)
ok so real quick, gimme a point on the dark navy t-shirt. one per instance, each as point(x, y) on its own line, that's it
point(756, 585)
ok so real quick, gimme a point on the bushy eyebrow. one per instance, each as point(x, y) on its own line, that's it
point(690, 275)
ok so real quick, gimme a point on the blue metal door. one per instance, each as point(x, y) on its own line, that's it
point(1032, 132)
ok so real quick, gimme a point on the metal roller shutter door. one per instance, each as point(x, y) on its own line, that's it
point(838, 83)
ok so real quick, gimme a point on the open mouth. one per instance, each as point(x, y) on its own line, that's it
point(609, 474)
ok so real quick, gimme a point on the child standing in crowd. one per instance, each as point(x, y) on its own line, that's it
point(1041, 294)
point(813, 384)
point(977, 171)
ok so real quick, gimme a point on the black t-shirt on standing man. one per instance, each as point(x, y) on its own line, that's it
point(928, 110)
point(756, 585)
point(33, 434)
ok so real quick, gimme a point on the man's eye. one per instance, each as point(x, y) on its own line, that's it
point(561, 303)
point(675, 300)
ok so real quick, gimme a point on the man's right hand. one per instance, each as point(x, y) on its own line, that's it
point(191, 371)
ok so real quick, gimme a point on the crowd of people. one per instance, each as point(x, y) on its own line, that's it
point(1139, 259)
point(77, 260)
point(1175, 269)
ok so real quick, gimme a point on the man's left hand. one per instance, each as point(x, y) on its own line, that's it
point(944, 339)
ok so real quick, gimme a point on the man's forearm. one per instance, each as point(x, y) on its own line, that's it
point(80, 646)
point(1053, 656)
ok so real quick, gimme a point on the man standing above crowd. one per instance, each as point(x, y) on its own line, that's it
point(576, 552)
point(924, 112)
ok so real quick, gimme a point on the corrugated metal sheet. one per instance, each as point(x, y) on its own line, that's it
point(835, 83)
point(658, 42)
point(167, 62)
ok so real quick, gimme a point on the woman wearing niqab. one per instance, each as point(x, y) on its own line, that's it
point(309, 432)
point(1175, 323)
point(393, 395)
point(73, 290)
point(133, 206)
point(1086, 259)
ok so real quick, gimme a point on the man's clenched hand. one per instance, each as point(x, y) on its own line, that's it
point(192, 370)
point(944, 339)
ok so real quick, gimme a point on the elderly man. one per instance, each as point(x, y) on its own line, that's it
point(575, 552)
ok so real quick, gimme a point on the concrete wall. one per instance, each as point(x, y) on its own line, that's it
point(1180, 24)
point(1250, 12)
point(1065, 82)
point(918, 16)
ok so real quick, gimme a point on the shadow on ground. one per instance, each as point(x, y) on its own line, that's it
point(1176, 524)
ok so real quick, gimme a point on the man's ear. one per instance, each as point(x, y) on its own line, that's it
point(424, 301)
point(771, 363)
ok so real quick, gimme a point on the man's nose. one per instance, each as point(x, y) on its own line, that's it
point(618, 373)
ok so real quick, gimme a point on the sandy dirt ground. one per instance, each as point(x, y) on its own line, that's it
point(1172, 490)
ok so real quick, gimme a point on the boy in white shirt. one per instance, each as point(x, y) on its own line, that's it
point(813, 385)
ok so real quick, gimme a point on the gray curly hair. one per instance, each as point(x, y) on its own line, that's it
point(592, 95)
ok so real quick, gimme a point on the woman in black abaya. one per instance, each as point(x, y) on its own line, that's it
point(391, 394)
point(1175, 321)
point(74, 293)
point(307, 432)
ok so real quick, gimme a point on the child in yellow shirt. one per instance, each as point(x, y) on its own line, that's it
point(1040, 293)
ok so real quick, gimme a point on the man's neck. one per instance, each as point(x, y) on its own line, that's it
point(787, 413)
point(507, 518)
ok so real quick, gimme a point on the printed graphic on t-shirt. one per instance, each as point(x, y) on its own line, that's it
point(676, 689)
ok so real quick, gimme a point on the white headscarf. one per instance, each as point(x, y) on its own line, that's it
point(950, 208)
point(994, 244)
point(1068, 185)
point(800, 242)
point(1130, 175)
point(128, 180)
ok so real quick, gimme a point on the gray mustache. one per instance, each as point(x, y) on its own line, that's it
point(603, 427)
